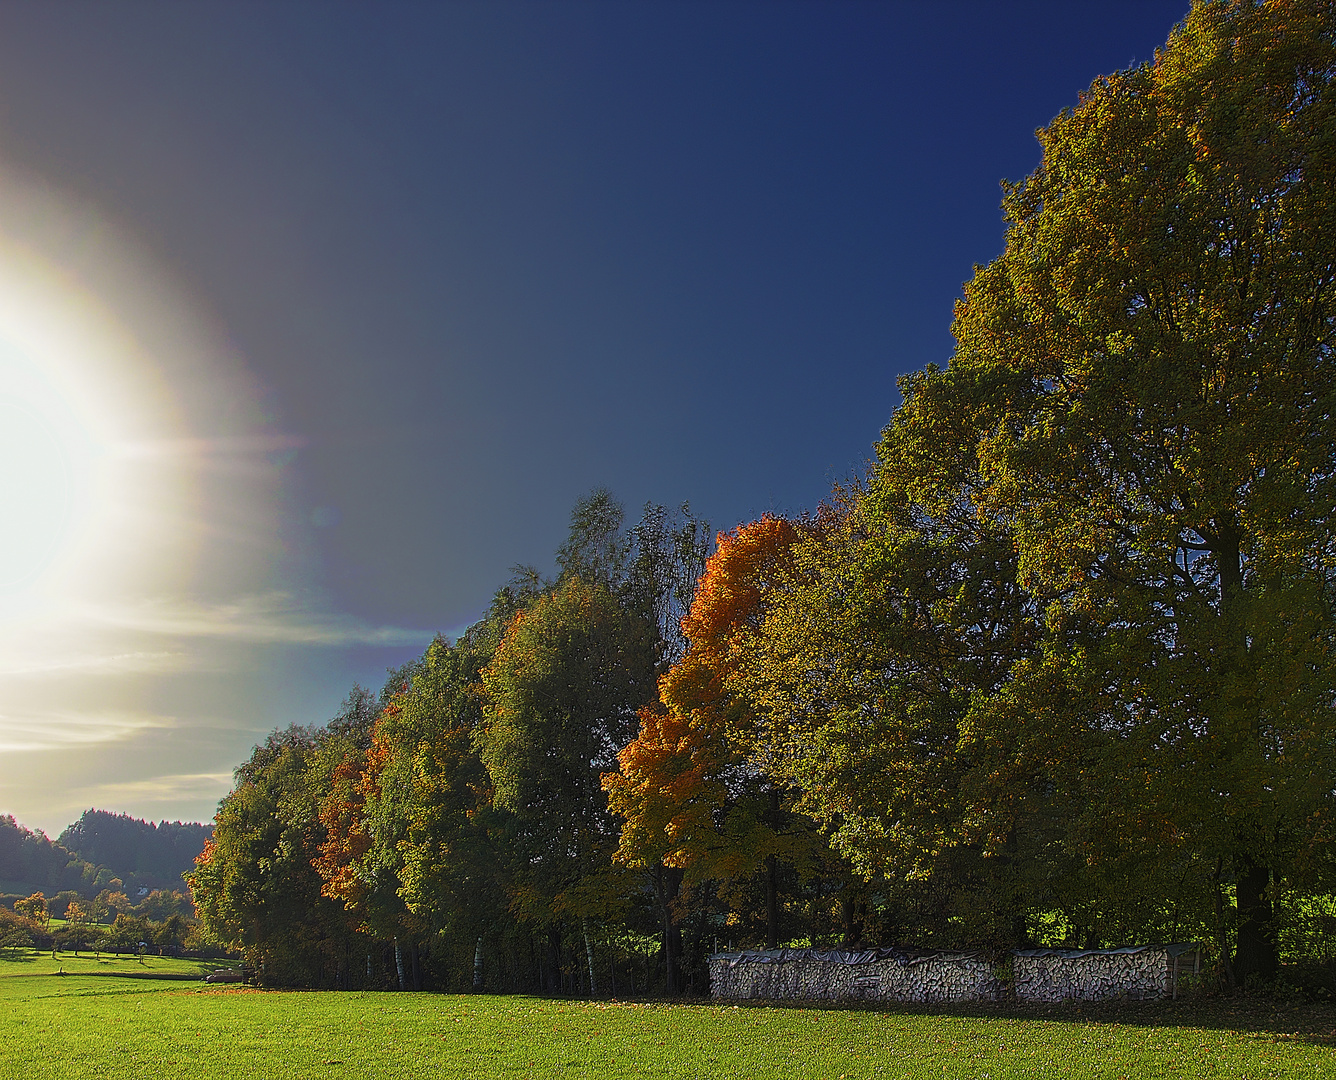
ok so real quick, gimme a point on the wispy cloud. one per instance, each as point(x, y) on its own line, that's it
point(67, 730)
point(273, 618)
point(175, 787)
point(121, 663)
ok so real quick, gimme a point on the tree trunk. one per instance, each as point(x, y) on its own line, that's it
point(553, 979)
point(589, 956)
point(772, 879)
point(417, 969)
point(1255, 946)
point(399, 963)
point(851, 925)
point(477, 966)
point(667, 881)
point(771, 903)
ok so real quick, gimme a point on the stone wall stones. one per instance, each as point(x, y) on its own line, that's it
point(1050, 975)
point(1036, 975)
point(873, 975)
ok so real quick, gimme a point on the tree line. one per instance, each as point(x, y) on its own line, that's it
point(1057, 669)
point(162, 922)
point(95, 850)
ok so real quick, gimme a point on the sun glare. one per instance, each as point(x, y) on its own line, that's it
point(38, 482)
point(77, 389)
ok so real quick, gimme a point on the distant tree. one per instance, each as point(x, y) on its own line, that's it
point(18, 931)
point(59, 904)
point(161, 904)
point(77, 933)
point(138, 851)
point(170, 934)
point(34, 908)
point(30, 857)
point(126, 934)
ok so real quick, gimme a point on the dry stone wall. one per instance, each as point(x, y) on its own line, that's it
point(1095, 975)
point(1036, 975)
point(872, 975)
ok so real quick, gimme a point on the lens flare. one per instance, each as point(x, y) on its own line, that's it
point(133, 478)
point(109, 382)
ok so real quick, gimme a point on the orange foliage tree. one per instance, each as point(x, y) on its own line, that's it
point(692, 788)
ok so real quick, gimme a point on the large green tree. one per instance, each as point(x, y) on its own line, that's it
point(1078, 630)
point(1158, 432)
point(429, 807)
point(254, 884)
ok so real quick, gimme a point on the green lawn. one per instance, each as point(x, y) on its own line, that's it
point(80, 1025)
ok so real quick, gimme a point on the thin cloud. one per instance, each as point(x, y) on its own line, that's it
point(170, 788)
point(123, 663)
point(267, 619)
point(68, 730)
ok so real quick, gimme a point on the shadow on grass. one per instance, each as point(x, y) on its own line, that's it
point(1314, 1024)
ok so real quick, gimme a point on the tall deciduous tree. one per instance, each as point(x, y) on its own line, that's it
point(254, 885)
point(1079, 631)
point(431, 801)
point(562, 692)
point(1163, 319)
point(1142, 392)
point(693, 786)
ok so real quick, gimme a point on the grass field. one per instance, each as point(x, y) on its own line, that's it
point(96, 1022)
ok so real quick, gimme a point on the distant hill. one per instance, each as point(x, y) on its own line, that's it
point(98, 847)
point(140, 853)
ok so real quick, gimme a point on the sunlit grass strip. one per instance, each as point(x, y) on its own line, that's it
point(83, 1026)
point(42, 963)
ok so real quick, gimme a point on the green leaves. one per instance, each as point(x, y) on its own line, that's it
point(1072, 642)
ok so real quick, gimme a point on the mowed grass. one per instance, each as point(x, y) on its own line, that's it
point(85, 1025)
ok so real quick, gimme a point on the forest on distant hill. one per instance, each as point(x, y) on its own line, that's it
point(96, 850)
point(152, 856)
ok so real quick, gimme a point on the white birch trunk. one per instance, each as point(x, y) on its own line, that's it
point(589, 956)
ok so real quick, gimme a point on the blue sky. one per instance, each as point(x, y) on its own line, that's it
point(404, 280)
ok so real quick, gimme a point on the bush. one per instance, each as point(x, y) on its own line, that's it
point(16, 939)
point(16, 926)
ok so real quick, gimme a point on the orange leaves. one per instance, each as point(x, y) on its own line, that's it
point(670, 786)
point(730, 594)
point(346, 837)
point(667, 789)
point(206, 856)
